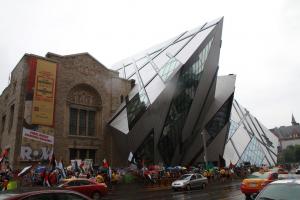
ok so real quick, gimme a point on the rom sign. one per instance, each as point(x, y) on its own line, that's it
point(30, 154)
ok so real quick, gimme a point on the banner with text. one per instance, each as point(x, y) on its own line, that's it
point(37, 145)
point(44, 93)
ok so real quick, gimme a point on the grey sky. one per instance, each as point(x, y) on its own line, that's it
point(260, 40)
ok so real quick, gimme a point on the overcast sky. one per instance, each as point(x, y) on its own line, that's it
point(260, 40)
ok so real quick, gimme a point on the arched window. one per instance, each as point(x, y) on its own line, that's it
point(84, 106)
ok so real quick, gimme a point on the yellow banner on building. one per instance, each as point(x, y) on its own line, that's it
point(44, 93)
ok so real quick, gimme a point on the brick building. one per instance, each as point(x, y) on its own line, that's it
point(59, 103)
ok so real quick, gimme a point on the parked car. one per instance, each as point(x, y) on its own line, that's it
point(255, 182)
point(281, 189)
point(50, 195)
point(189, 181)
point(298, 171)
point(86, 186)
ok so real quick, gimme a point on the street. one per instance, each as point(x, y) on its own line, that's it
point(218, 191)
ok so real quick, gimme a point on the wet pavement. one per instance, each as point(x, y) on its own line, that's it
point(214, 191)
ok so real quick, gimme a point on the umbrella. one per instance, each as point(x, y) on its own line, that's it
point(40, 169)
point(25, 170)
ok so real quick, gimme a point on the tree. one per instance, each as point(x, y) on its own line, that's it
point(297, 153)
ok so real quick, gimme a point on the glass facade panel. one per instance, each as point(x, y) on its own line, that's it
point(233, 127)
point(193, 31)
point(154, 88)
point(175, 48)
point(121, 122)
point(161, 59)
point(192, 46)
point(180, 106)
point(137, 83)
point(234, 116)
point(267, 154)
point(253, 154)
point(147, 73)
point(168, 68)
point(136, 107)
point(212, 23)
point(230, 155)
point(73, 121)
point(121, 73)
point(141, 62)
point(129, 70)
point(240, 139)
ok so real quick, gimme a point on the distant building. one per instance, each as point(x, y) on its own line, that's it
point(59, 103)
point(288, 135)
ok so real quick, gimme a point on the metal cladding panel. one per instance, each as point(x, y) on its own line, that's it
point(120, 150)
point(216, 148)
point(152, 118)
point(224, 91)
point(206, 80)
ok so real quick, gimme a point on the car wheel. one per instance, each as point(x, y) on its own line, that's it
point(248, 197)
point(188, 187)
point(203, 185)
point(96, 196)
point(174, 189)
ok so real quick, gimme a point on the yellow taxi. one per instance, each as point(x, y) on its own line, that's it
point(255, 182)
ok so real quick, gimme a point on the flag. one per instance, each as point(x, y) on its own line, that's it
point(52, 162)
point(4, 154)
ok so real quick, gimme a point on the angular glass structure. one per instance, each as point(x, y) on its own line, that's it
point(248, 140)
point(178, 98)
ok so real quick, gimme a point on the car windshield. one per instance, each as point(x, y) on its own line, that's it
point(280, 192)
point(185, 177)
point(259, 175)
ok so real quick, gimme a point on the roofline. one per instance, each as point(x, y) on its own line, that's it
point(80, 54)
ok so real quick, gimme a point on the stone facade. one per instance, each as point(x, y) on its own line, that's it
point(82, 84)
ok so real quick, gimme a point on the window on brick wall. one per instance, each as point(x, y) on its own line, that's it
point(82, 122)
point(82, 154)
point(11, 117)
point(3, 123)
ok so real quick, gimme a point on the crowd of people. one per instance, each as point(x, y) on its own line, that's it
point(53, 173)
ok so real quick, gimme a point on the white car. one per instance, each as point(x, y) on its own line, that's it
point(283, 189)
point(298, 171)
point(189, 181)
